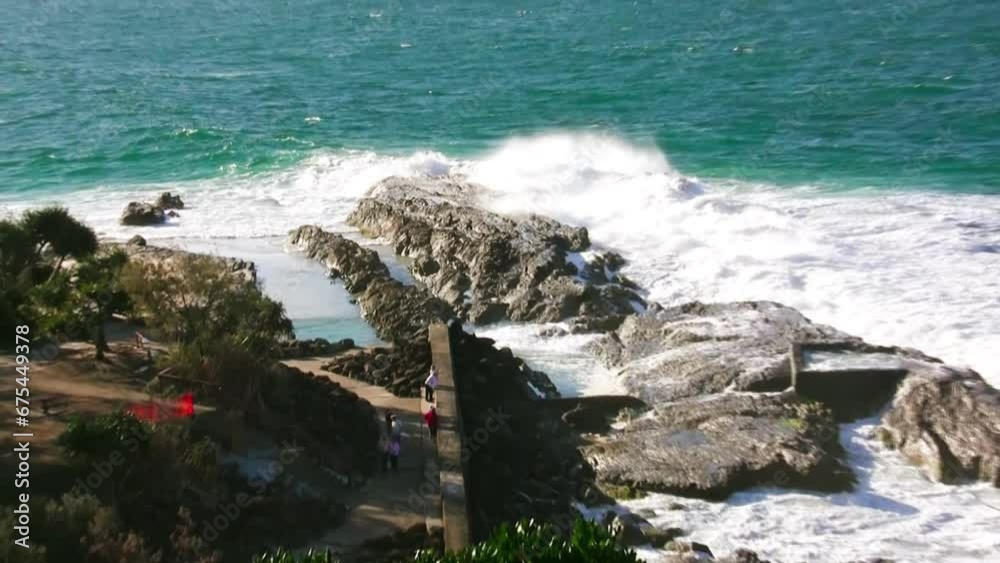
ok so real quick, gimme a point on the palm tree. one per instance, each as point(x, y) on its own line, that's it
point(55, 230)
point(99, 293)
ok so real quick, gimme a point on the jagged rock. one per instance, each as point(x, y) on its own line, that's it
point(396, 311)
point(713, 446)
point(314, 347)
point(688, 551)
point(627, 530)
point(137, 213)
point(487, 266)
point(158, 254)
point(400, 314)
point(947, 421)
point(137, 240)
point(697, 348)
point(169, 201)
point(632, 530)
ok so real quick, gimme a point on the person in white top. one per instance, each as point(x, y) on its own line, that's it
point(430, 384)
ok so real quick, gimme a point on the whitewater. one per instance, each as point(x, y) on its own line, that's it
point(909, 268)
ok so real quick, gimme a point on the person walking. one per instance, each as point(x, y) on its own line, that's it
point(431, 417)
point(395, 430)
point(394, 450)
point(383, 448)
point(430, 384)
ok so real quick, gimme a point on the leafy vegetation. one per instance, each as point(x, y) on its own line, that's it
point(36, 289)
point(284, 556)
point(524, 542)
point(541, 543)
point(99, 437)
point(54, 230)
point(621, 492)
point(198, 301)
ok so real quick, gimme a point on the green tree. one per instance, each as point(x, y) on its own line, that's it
point(98, 293)
point(85, 297)
point(16, 260)
point(54, 230)
point(199, 300)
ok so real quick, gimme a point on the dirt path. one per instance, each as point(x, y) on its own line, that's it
point(390, 502)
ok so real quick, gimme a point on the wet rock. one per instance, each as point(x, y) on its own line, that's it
point(697, 349)
point(169, 201)
point(487, 266)
point(396, 311)
point(137, 240)
point(947, 420)
point(627, 530)
point(716, 445)
point(141, 214)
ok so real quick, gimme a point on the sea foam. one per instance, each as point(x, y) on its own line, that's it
point(906, 268)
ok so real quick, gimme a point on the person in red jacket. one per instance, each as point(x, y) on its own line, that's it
point(431, 417)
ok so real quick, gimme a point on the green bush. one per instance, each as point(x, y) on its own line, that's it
point(198, 300)
point(285, 556)
point(100, 436)
point(540, 543)
point(524, 542)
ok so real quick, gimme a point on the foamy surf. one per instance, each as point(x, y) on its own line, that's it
point(913, 269)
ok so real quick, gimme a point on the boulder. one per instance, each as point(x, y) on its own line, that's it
point(947, 420)
point(632, 530)
point(139, 214)
point(137, 240)
point(716, 445)
point(169, 201)
point(668, 354)
point(627, 530)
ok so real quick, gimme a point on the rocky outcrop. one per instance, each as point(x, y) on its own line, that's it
point(400, 369)
point(168, 200)
point(162, 255)
point(697, 349)
point(313, 347)
point(491, 267)
point(136, 240)
point(400, 314)
point(667, 354)
point(137, 213)
point(713, 446)
point(632, 530)
point(396, 311)
point(947, 421)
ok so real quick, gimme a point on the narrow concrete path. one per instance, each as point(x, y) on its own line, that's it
point(390, 501)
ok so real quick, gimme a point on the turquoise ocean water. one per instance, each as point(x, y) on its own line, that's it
point(840, 94)
point(848, 152)
point(840, 157)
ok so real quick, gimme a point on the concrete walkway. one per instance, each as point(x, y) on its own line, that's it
point(390, 502)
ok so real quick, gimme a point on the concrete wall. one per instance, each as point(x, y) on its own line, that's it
point(454, 503)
